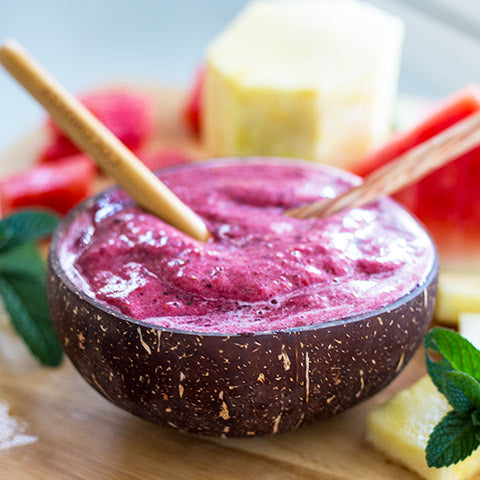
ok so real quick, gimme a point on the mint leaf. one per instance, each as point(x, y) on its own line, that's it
point(452, 440)
point(476, 419)
point(456, 374)
point(22, 282)
point(24, 294)
point(26, 227)
point(22, 259)
point(462, 391)
point(457, 353)
point(25, 302)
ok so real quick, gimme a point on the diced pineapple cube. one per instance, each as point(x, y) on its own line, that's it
point(457, 292)
point(469, 327)
point(308, 79)
point(400, 428)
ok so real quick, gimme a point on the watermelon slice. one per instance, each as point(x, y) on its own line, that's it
point(192, 111)
point(127, 114)
point(448, 200)
point(58, 186)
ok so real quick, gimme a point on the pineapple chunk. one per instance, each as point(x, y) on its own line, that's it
point(469, 327)
point(400, 428)
point(457, 292)
point(307, 79)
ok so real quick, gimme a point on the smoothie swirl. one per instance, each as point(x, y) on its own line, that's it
point(263, 270)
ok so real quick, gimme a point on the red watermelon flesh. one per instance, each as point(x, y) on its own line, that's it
point(448, 200)
point(129, 115)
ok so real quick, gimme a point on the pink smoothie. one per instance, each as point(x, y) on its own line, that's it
point(263, 270)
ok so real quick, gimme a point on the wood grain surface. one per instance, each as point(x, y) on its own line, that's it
point(82, 436)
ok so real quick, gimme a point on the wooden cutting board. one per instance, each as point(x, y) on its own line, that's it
point(80, 435)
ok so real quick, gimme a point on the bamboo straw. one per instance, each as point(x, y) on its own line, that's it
point(403, 171)
point(91, 136)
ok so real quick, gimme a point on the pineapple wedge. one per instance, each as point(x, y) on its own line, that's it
point(400, 428)
point(469, 327)
point(457, 292)
point(302, 78)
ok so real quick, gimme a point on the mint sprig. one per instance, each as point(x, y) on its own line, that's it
point(25, 227)
point(456, 374)
point(22, 282)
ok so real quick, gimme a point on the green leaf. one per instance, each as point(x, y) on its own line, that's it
point(456, 374)
point(476, 419)
point(26, 227)
point(452, 440)
point(22, 259)
point(25, 300)
point(457, 354)
point(22, 281)
point(462, 391)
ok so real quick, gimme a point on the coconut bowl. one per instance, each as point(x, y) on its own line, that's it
point(233, 385)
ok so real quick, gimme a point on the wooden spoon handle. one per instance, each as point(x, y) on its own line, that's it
point(91, 136)
point(403, 171)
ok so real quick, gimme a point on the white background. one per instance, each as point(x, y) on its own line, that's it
point(90, 42)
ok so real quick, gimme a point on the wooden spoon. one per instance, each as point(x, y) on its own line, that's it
point(91, 136)
point(402, 171)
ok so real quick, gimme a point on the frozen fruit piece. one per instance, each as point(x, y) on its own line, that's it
point(445, 114)
point(400, 428)
point(313, 80)
point(457, 292)
point(58, 186)
point(128, 115)
point(163, 158)
point(448, 200)
point(192, 112)
point(60, 147)
point(469, 327)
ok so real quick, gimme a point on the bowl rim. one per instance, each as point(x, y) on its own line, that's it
point(55, 264)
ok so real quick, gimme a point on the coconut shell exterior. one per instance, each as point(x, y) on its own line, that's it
point(235, 385)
